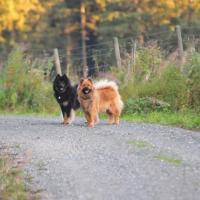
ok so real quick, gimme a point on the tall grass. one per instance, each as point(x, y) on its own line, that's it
point(158, 83)
point(155, 83)
point(23, 86)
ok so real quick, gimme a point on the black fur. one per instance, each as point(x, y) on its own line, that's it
point(65, 92)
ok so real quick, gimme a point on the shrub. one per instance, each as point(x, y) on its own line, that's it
point(148, 62)
point(193, 81)
point(145, 105)
point(23, 86)
point(169, 87)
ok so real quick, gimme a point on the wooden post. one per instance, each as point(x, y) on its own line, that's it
point(67, 70)
point(68, 54)
point(133, 56)
point(133, 53)
point(57, 62)
point(117, 52)
point(83, 38)
point(180, 42)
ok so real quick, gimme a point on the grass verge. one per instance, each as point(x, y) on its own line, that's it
point(12, 180)
point(189, 120)
point(12, 184)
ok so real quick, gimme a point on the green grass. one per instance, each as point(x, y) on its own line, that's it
point(13, 179)
point(188, 120)
point(140, 143)
point(12, 184)
point(169, 159)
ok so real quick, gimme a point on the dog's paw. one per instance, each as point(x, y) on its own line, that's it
point(91, 125)
point(65, 123)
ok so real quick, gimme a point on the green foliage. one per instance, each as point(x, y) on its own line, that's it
point(169, 87)
point(160, 79)
point(12, 184)
point(148, 62)
point(23, 86)
point(186, 119)
point(193, 81)
point(155, 77)
point(144, 105)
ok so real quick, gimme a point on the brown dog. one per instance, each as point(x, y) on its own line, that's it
point(102, 96)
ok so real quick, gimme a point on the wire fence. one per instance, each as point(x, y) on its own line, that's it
point(101, 57)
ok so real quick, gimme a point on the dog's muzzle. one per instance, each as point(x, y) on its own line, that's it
point(86, 90)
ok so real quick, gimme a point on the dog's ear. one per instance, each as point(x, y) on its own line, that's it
point(90, 80)
point(57, 76)
point(64, 76)
point(81, 81)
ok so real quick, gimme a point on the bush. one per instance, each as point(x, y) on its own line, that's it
point(193, 81)
point(148, 62)
point(170, 87)
point(23, 86)
point(145, 105)
point(159, 78)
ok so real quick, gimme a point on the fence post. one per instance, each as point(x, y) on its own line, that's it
point(180, 42)
point(57, 62)
point(83, 38)
point(68, 70)
point(133, 54)
point(117, 52)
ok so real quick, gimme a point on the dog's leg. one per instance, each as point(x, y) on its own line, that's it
point(96, 120)
point(110, 117)
point(115, 114)
point(64, 114)
point(116, 119)
point(65, 121)
point(90, 120)
point(72, 116)
point(67, 115)
point(87, 118)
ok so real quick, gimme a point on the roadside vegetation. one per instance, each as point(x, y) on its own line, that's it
point(12, 179)
point(157, 90)
point(162, 90)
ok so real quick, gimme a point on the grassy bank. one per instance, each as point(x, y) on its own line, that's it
point(188, 120)
point(12, 181)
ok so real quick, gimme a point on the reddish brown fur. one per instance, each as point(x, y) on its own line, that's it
point(101, 100)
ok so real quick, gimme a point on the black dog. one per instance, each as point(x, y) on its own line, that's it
point(66, 96)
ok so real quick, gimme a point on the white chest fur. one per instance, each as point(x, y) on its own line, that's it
point(65, 103)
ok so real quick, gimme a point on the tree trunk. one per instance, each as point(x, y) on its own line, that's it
point(83, 38)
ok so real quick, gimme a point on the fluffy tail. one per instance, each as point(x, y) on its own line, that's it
point(104, 84)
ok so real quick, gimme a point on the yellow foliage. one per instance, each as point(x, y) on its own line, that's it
point(113, 15)
point(162, 11)
point(14, 14)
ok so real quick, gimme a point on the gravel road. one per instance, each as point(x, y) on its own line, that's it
point(107, 162)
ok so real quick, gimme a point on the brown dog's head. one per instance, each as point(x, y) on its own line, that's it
point(86, 86)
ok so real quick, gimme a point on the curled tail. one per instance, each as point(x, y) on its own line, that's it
point(104, 84)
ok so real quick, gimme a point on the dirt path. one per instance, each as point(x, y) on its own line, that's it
point(129, 161)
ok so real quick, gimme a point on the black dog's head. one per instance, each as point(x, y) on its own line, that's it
point(61, 83)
